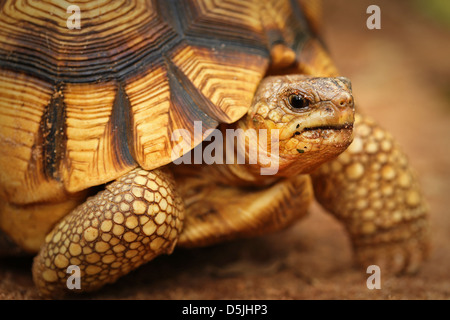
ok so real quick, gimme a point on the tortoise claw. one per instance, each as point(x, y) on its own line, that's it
point(398, 256)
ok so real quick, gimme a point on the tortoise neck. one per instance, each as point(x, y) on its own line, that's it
point(251, 155)
point(248, 154)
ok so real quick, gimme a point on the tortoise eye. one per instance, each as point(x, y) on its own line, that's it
point(298, 102)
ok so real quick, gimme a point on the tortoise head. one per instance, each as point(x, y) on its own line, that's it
point(314, 117)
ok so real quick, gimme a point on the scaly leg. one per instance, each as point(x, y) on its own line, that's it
point(372, 190)
point(136, 218)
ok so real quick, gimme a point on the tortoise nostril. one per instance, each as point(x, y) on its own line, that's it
point(344, 100)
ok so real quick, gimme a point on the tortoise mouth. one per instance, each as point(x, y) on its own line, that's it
point(346, 125)
point(325, 135)
point(318, 123)
point(320, 128)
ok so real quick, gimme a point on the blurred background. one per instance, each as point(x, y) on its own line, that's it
point(401, 78)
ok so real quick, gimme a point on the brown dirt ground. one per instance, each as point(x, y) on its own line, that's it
point(401, 77)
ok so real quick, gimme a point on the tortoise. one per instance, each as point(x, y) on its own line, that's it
point(100, 137)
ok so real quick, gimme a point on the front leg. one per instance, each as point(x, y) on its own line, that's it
point(217, 213)
point(372, 190)
point(136, 218)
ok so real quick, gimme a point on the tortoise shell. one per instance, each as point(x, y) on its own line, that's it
point(81, 107)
